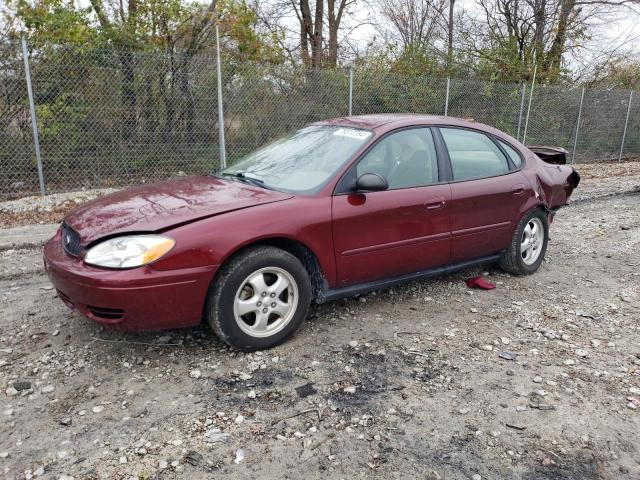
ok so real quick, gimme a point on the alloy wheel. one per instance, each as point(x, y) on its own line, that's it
point(266, 302)
point(532, 241)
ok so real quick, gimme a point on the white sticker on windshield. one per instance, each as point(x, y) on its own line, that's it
point(352, 133)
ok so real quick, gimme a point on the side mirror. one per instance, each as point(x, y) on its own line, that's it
point(371, 182)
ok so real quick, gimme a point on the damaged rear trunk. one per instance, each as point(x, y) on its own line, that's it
point(557, 180)
point(553, 155)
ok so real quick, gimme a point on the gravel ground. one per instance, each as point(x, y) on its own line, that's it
point(403, 383)
point(49, 209)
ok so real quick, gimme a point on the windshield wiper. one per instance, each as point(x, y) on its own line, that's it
point(244, 178)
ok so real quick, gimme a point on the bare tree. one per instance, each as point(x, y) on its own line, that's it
point(515, 34)
point(416, 22)
point(316, 49)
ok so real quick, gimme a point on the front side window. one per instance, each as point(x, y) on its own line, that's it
point(406, 159)
point(301, 162)
point(473, 154)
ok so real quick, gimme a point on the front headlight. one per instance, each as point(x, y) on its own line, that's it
point(129, 251)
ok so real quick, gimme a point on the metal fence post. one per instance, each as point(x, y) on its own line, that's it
point(526, 122)
point(350, 90)
point(626, 122)
point(446, 98)
point(522, 94)
point(575, 138)
point(223, 151)
point(32, 108)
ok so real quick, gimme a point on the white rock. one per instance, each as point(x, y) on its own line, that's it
point(581, 352)
point(163, 465)
point(595, 343)
point(195, 373)
point(239, 456)
point(349, 389)
point(123, 459)
point(239, 419)
point(11, 392)
point(48, 389)
point(251, 394)
point(537, 379)
point(4, 454)
point(353, 343)
point(98, 409)
point(216, 436)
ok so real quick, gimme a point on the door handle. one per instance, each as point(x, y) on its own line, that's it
point(435, 203)
point(518, 189)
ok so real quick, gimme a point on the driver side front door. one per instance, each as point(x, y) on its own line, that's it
point(401, 230)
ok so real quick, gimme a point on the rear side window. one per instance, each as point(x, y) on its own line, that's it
point(513, 155)
point(473, 154)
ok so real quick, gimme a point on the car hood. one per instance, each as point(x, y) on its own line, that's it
point(156, 207)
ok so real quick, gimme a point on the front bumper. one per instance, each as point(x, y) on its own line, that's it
point(136, 299)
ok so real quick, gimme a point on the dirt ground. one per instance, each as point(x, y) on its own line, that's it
point(404, 383)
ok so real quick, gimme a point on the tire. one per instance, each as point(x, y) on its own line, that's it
point(517, 261)
point(259, 298)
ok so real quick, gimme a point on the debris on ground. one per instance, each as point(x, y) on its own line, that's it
point(479, 282)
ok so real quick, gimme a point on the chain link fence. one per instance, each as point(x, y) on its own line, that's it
point(108, 118)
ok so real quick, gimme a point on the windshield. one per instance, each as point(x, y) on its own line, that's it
point(301, 162)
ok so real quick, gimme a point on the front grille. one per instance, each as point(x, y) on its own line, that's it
point(106, 313)
point(70, 240)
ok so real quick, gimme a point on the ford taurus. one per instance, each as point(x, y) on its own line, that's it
point(336, 209)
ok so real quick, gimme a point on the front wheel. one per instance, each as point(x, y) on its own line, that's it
point(259, 298)
point(528, 245)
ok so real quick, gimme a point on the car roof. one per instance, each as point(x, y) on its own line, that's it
point(381, 123)
point(384, 122)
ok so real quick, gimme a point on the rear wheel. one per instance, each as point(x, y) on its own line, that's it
point(528, 245)
point(259, 298)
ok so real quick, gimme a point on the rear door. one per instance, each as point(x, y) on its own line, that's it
point(487, 193)
point(400, 230)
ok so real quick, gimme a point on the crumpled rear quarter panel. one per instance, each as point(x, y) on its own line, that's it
point(555, 184)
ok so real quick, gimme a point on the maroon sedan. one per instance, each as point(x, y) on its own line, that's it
point(338, 208)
